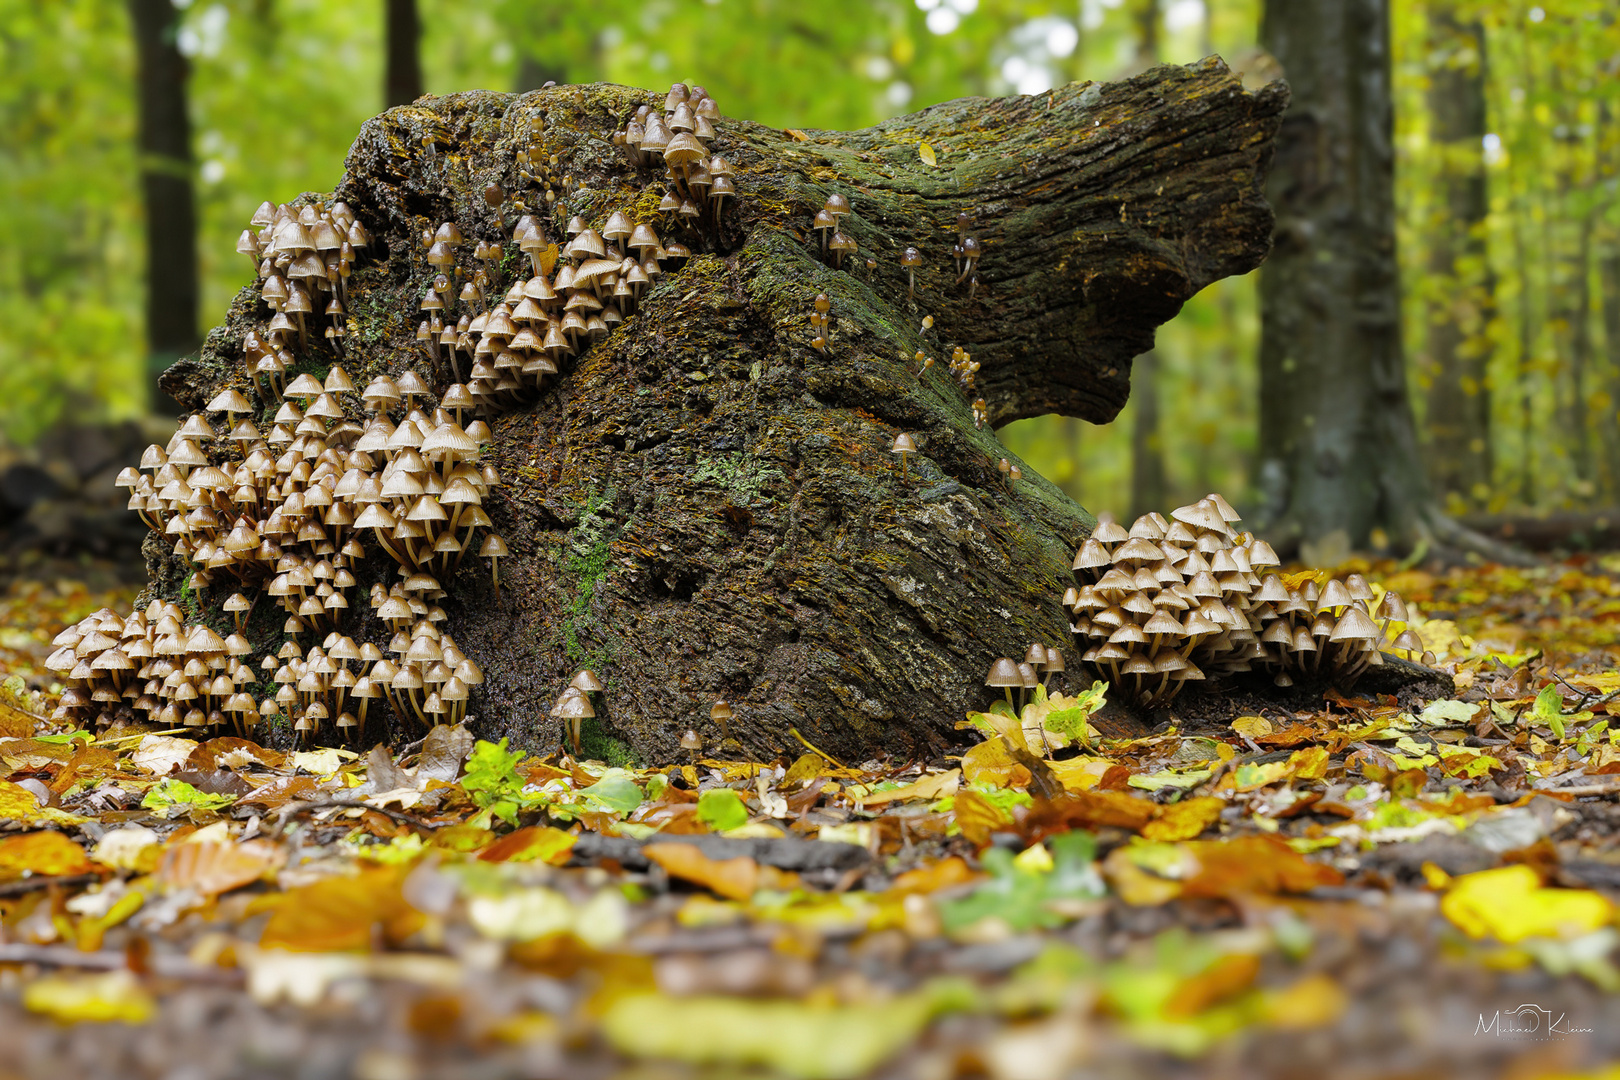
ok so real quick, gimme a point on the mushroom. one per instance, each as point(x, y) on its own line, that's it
point(911, 258)
point(905, 446)
point(720, 712)
point(1005, 674)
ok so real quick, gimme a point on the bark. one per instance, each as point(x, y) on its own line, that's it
point(1147, 446)
point(402, 75)
point(703, 506)
point(1609, 422)
point(1338, 445)
point(1459, 399)
point(164, 138)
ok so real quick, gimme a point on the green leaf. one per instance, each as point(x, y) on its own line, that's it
point(1550, 709)
point(172, 796)
point(721, 809)
point(614, 792)
point(493, 781)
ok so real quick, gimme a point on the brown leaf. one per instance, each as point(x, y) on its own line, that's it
point(1184, 820)
point(281, 791)
point(1254, 864)
point(211, 869)
point(992, 762)
point(89, 763)
point(942, 875)
point(207, 755)
point(1089, 810)
point(536, 843)
point(735, 879)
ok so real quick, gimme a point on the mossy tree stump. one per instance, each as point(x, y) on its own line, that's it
point(703, 505)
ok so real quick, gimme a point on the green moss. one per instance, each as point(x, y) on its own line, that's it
point(586, 563)
point(596, 744)
point(742, 476)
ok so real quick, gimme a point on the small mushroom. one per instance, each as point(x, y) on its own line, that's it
point(720, 712)
point(911, 258)
point(692, 743)
point(1005, 674)
point(905, 446)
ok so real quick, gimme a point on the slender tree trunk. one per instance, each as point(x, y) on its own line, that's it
point(1580, 358)
point(402, 77)
point(171, 213)
point(1609, 420)
point(1147, 445)
point(1338, 444)
point(1459, 400)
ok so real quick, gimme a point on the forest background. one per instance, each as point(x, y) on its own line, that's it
point(1507, 179)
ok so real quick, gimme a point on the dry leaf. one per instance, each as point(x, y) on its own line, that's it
point(978, 817)
point(210, 869)
point(735, 879)
point(1253, 726)
point(1085, 773)
point(536, 843)
point(341, 914)
point(930, 787)
point(1222, 980)
point(992, 762)
point(1184, 820)
point(926, 152)
point(47, 853)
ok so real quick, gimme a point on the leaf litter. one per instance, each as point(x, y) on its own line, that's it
point(1258, 889)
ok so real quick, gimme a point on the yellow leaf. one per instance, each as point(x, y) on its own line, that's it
point(1253, 726)
point(978, 817)
point(796, 134)
point(926, 152)
point(734, 879)
point(521, 914)
point(942, 875)
point(1510, 904)
point(341, 914)
point(930, 787)
point(1222, 980)
point(112, 997)
point(19, 804)
point(1184, 820)
point(991, 762)
point(1083, 773)
point(1313, 1001)
point(548, 258)
point(133, 847)
point(1309, 763)
point(47, 853)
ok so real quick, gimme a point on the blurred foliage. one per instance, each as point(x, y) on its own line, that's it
point(279, 88)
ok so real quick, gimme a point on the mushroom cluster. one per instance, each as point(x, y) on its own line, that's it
point(828, 226)
point(699, 183)
point(1168, 602)
point(304, 258)
point(820, 322)
point(966, 252)
point(152, 662)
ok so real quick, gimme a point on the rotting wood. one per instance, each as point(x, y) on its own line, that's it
point(704, 506)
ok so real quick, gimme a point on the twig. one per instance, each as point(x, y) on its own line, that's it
point(44, 881)
point(356, 804)
point(160, 964)
point(819, 753)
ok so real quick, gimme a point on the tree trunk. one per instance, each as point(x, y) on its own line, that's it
point(402, 75)
point(1609, 420)
point(171, 214)
point(1147, 445)
point(1338, 446)
point(703, 505)
point(1459, 399)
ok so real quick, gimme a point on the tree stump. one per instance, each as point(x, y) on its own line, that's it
point(705, 506)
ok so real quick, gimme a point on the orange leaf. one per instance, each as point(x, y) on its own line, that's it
point(88, 762)
point(1254, 864)
point(1090, 810)
point(211, 869)
point(342, 914)
point(1184, 820)
point(49, 853)
point(942, 875)
point(1308, 764)
point(734, 879)
point(1222, 980)
point(1085, 773)
point(537, 843)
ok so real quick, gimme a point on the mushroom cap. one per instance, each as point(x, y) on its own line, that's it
point(691, 741)
point(904, 444)
point(1004, 672)
point(587, 681)
point(1035, 655)
point(720, 710)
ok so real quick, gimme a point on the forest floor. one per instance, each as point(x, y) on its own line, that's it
point(1353, 886)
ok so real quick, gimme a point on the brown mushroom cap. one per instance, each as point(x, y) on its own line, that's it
point(1004, 672)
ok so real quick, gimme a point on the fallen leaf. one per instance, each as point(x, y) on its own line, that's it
point(926, 152)
point(536, 843)
point(521, 914)
point(46, 852)
point(134, 848)
point(978, 817)
point(281, 791)
point(786, 1036)
point(1314, 1001)
point(942, 875)
point(1254, 865)
point(110, 997)
point(721, 809)
point(735, 879)
point(210, 869)
point(341, 914)
point(160, 754)
point(1084, 773)
point(1222, 980)
point(1252, 726)
point(931, 787)
point(1510, 904)
point(1184, 820)
point(992, 762)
